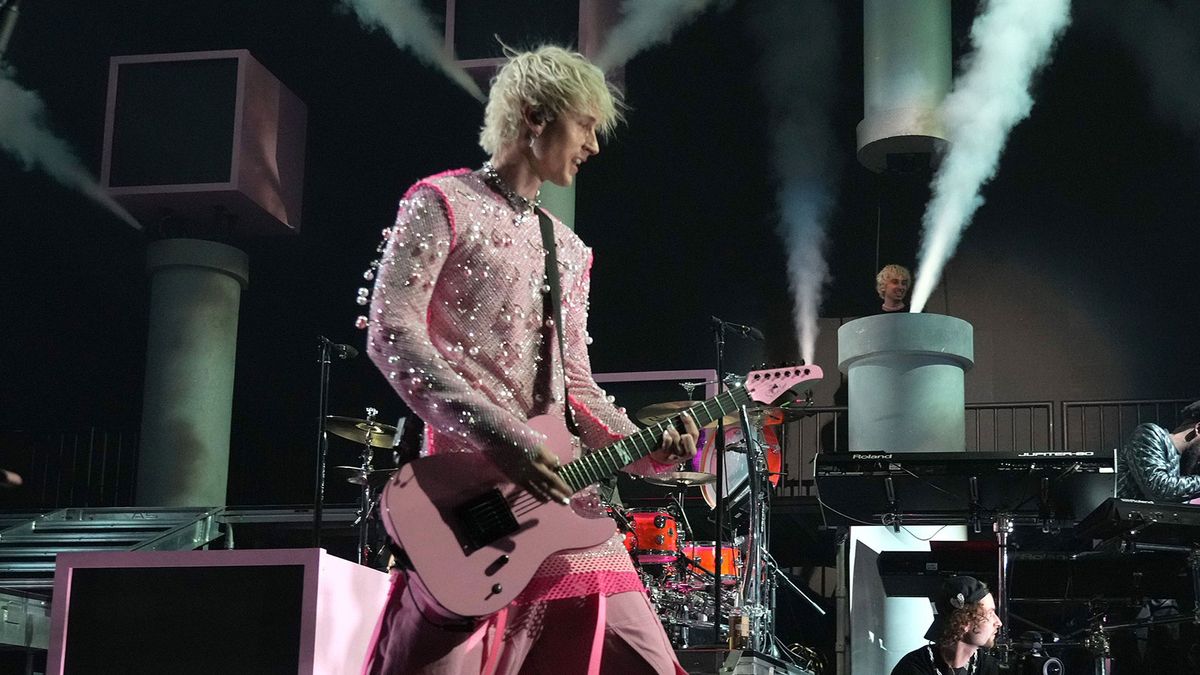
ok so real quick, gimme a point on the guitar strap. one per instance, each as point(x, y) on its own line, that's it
point(552, 308)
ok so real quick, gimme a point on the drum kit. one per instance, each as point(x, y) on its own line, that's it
point(677, 571)
point(680, 571)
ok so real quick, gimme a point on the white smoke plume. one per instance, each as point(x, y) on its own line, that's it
point(645, 23)
point(799, 51)
point(411, 27)
point(1011, 41)
point(25, 135)
point(1164, 39)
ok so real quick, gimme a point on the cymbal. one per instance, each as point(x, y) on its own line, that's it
point(767, 416)
point(354, 429)
point(681, 479)
point(657, 412)
point(374, 477)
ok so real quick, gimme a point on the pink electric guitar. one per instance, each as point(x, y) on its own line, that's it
point(476, 539)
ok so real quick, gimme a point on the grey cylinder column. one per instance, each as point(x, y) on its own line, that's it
point(906, 74)
point(905, 376)
point(195, 293)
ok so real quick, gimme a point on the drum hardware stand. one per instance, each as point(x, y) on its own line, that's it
point(684, 563)
point(1003, 527)
point(788, 583)
point(344, 352)
point(758, 589)
point(365, 503)
point(689, 387)
point(1097, 644)
point(762, 575)
point(677, 501)
point(1095, 638)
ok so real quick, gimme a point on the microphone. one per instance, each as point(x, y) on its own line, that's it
point(746, 331)
point(344, 352)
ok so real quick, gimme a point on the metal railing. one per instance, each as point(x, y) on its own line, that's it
point(89, 468)
point(1010, 427)
point(1104, 425)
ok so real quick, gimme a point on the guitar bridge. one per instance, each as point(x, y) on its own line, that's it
point(483, 520)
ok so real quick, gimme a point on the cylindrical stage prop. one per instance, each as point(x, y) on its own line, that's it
point(905, 375)
point(906, 394)
point(906, 74)
point(195, 294)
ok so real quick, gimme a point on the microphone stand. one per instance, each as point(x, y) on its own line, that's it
point(718, 614)
point(322, 438)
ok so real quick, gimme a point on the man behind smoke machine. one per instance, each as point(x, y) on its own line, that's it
point(892, 284)
point(1149, 465)
point(964, 622)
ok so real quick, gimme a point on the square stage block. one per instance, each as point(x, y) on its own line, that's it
point(254, 611)
point(212, 136)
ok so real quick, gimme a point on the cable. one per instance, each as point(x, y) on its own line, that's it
point(929, 538)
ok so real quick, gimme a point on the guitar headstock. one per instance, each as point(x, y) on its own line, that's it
point(772, 385)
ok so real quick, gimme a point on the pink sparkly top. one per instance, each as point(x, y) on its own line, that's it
point(456, 326)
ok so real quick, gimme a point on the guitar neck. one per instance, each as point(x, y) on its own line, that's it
point(602, 463)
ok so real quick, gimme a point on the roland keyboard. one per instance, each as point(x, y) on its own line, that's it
point(958, 487)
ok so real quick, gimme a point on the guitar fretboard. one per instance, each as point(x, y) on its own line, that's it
point(602, 463)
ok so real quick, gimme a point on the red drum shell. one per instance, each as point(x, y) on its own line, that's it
point(705, 553)
point(655, 536)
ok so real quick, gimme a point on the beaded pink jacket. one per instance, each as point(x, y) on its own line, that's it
point(456, 326)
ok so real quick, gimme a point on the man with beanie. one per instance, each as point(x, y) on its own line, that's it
point(964, 620)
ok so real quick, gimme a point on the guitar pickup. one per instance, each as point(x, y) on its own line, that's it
point(483, 520)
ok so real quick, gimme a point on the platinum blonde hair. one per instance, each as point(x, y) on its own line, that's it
point(898, 271)
point(550, 80)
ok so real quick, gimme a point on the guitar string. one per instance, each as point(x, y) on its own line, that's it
point(523, 502)
point(585, 468)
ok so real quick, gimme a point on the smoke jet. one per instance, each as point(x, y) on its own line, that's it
point(643, 25)
point(798, 41)
point(25, 135)
point(1011, 41)
point(412, 28)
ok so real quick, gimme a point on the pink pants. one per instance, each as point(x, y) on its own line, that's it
point(553, 637)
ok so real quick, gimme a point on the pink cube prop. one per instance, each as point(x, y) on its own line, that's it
point(210, 136)
point(339, 603)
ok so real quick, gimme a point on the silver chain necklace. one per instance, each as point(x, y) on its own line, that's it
point(519, 202)
point(970, 668)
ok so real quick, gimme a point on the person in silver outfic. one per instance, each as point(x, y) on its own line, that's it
point(1155, 464)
